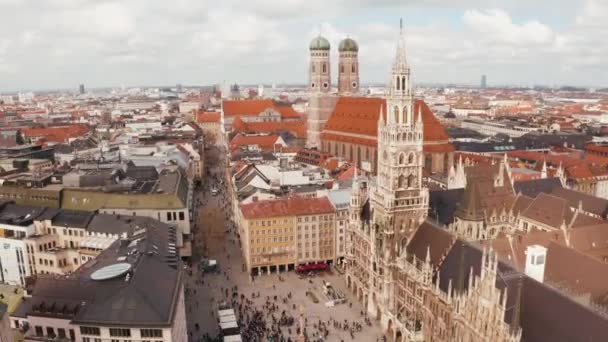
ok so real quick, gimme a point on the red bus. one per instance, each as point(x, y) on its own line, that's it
point(321, 266)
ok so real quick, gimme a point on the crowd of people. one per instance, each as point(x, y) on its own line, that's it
point(272, 315)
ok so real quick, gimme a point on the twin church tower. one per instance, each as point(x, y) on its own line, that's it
point(320, 66)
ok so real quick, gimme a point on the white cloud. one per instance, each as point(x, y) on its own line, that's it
point(496, 25)
point(59, 43)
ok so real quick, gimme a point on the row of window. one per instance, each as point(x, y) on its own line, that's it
point(52, 333)
point(269, 240)
point(173, 216)
point(121, 332)
point(272, 231)
point(314, 218)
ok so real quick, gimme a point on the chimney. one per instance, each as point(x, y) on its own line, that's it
point(536, 258)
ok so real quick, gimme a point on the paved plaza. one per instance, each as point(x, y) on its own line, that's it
point(216, 239)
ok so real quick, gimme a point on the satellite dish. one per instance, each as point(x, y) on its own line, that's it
point(111, 271)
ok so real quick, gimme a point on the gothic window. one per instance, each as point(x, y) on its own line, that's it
point(410, 159)
point(353, 69)
point(405, 114)
point(341, 68)
point(401, 159)
point(313, 68)
point(398, 84)
point(469, 230)
point(403, 83)
point(411, 181)
point(324, 68)
point(401, 181)
point(396, 114)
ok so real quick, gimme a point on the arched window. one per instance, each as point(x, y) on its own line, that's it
point(401, 159)
point(324, 68)
point(410, 159)
point(396, 114)
point(403, 83)
point(351, 153)
point(341, 67)
point(398, 83)
point(411, 181)
point(401, 181)
point(343, 150)
point(313, 68)
point(358, 154)
point(405, 114)
point(354, 69)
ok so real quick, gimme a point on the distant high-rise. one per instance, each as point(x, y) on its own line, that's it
point(81, 89)
point(484, 82)
point(178, 88)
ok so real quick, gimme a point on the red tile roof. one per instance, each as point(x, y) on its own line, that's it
point(297, 128)
point(208, 117)
point(359, 115)
point(265, 142)
point(255, 107)
point(56, 134)
point(356, 115)
point(290, 206)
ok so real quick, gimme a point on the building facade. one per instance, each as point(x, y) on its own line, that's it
point(399, 288)
point(277, 235)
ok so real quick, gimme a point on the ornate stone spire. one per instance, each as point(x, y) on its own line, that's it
point(400, 63)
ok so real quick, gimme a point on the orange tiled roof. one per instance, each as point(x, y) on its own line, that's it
point(579, 171)
point(208, 117)
point(56, 134)
point(348, 139)
point(291, 206)
point(359, 115)
point(265, 142)
point(596, 148)
point(255, 107)
point(297, 128)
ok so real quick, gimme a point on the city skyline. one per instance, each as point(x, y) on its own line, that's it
point(63, 43)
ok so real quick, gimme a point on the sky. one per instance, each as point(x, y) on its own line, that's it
point(52, 44)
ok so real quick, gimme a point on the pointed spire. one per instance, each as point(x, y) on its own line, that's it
point(437, 282)
point(400, 58)
point(450, 289)
point(543, 172)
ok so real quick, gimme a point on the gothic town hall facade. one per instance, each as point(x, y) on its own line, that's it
point(399, 285)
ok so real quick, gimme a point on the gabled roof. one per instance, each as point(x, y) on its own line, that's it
point(532, 188)
point(56, 134)
point(359, 115)
point(208, 117)
point(548, 209)
point(290, 206)
point(435, 240)
point(255, 107)
point(590, 204)
point(265, 142)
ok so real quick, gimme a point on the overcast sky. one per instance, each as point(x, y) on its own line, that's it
point(47, 44)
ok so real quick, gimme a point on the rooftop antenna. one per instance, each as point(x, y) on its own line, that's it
point(401, 25)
